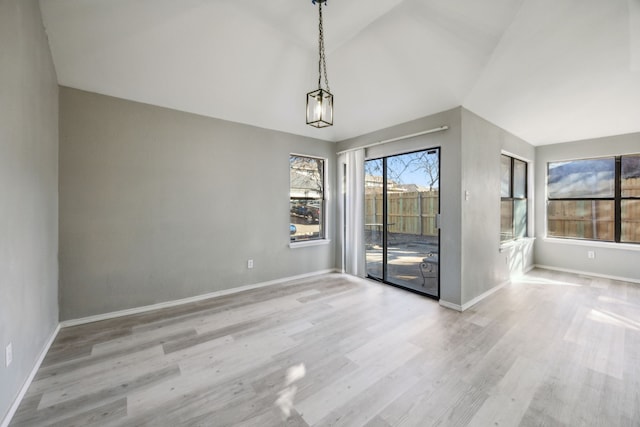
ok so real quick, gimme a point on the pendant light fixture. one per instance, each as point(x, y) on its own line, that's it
point(320, 101)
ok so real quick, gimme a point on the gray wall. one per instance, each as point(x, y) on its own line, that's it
point(157, 205)
point(611, 259)
point(484, 264)
point(472, 261)
point(450, 181)
point(28, 193)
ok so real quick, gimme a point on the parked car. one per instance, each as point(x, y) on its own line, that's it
point(310, 211)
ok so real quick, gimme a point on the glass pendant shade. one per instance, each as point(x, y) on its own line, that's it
point(320, 108)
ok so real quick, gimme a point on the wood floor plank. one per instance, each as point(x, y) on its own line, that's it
point(377, 422)
point(110, 412)
point(509, 400)
point(447, 402)
point(257, 310)
point(549, 349)
point(45, 415)
point(631, 394)
point(589, 326)
point(191, 341)
point(274, 418)
point(136, 341)
point(364, 407)
point(345, 388)
point(99, 369)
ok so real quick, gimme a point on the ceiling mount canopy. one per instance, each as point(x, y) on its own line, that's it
point(320, 100)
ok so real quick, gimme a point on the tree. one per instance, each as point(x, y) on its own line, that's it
point(429, 163)
point(424, 161)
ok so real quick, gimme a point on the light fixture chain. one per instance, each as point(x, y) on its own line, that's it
point(322, 63)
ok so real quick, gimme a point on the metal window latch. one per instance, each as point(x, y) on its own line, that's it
point(438, 220)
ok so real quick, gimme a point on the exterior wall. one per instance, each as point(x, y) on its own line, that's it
point(28, 194)
point(158, 205)
point(611, 259)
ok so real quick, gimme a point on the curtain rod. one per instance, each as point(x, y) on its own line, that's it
point(398, 138)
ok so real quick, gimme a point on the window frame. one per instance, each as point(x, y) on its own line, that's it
point(616, 199)
point(511, 198)
point(620, 198)
point(322, 222)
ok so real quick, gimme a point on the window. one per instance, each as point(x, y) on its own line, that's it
point(630, 199)
point(513, 204)
point(595, 199)
point(306, 198)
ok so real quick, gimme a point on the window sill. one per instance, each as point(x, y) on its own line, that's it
point(515, 243)
point(594, 244)
point(304, 244)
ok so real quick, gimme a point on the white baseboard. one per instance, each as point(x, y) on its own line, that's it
point(16, 403)
point(483, 295)
point(173, 303)
point(14, 407)
point(587, 273)
point(474, 301)
point(450, 305)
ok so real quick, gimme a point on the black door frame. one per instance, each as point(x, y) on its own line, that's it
point(385, 230)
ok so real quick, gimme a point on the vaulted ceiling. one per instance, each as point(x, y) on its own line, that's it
point(545, 70)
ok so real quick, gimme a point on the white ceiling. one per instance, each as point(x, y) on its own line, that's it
point(545, 70)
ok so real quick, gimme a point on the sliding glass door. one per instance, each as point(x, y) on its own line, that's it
point(402, 204)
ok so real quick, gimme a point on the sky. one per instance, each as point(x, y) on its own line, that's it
point(411, 168)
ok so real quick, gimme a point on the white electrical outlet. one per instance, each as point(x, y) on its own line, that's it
point(250, 263)
point(591, 254)
point(8, 353)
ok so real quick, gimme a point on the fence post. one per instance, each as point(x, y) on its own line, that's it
point(420, 230)
point(594, 219)
point(375, 206)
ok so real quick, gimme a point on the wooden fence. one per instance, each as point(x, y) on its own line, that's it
point(415, 213)
point(594, 219)
point(409, 213)
point(631, 187)
point(582, 219)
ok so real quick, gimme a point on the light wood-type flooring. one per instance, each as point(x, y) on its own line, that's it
point(551, 349)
